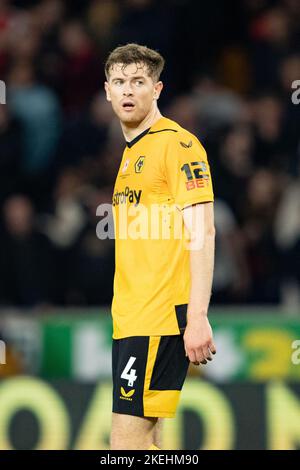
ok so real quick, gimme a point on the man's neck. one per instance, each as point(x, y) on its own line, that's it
point(131, 133)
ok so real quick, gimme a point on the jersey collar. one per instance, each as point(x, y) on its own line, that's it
point(153, 128)
point(137, 138)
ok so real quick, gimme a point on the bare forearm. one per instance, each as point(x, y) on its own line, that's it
point(201, 267)
point(198, 338)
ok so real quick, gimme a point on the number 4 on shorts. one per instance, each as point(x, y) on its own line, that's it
point(131, 377)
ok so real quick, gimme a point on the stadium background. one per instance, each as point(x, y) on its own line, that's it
point(230, 66)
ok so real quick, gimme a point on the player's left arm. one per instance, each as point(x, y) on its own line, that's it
point(198, 337)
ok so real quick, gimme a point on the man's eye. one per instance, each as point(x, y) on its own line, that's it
point(118, 82)
point(139, 82)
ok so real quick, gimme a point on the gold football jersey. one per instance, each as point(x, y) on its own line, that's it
point(162, 171)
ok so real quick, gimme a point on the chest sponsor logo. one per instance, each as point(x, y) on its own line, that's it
point(128, 195)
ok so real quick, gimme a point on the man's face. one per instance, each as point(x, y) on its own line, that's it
point(132, 92)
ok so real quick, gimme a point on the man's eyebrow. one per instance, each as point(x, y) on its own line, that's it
point(134, 77)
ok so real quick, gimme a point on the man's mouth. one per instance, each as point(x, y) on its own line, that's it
point(128, 105)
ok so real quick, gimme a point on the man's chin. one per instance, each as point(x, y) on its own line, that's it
point(130, 121)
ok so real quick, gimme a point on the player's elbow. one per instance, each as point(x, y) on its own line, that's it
point(210, 230)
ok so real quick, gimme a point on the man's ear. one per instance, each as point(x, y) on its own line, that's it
point(106, 87)
point(157, 90)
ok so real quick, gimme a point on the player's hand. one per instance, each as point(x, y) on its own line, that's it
point(198, 340)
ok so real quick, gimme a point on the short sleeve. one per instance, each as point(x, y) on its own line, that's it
point(187, 171)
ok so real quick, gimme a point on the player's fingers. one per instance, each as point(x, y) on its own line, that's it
point(206, 353)
point(191, 355)
point(200, 356)
point(212, 347)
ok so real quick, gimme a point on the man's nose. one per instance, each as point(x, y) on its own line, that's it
point(127, 90)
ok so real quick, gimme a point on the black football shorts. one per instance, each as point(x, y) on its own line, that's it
point(148, 375)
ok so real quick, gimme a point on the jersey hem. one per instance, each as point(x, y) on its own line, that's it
point(146, 334)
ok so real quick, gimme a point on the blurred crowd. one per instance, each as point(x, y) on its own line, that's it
point(230, 66)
